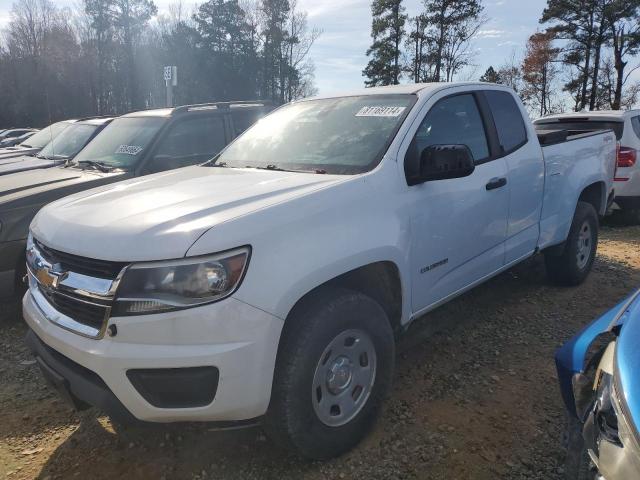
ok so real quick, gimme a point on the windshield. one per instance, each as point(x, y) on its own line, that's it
point(44, 136)
point(69, 142)
point(122, 142)
point(345, 135)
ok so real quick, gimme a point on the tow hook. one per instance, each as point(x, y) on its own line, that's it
point(112, 330)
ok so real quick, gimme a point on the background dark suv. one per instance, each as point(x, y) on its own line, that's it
point(133, 145)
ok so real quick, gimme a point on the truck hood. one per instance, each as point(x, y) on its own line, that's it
point(17, 151)
point(24, 163)
point(628, 361)
point(161, 216)
point(26, 186)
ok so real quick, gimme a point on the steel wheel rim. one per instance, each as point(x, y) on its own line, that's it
point(344, 378)
point(585, 244)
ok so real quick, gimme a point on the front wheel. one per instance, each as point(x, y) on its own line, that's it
point(573, 263)
point(333, 371)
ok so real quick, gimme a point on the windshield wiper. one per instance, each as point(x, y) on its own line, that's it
point(52, 157)
point(276, 168)
point(220, 165)
point(103, 167)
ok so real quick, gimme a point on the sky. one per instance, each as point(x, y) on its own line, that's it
point(340, 52)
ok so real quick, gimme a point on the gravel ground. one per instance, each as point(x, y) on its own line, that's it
point(475, 397)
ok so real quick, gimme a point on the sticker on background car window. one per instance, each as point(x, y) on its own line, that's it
point(380, 111)
point(129, 149)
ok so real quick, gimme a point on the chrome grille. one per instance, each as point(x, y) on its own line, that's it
point(85, 266)
point(91, 314)
point(74, 292)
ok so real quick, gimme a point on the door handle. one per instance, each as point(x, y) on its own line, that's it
point(496, 183)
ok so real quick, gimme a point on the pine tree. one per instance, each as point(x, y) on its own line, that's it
point(491, 76)
point(452, 25)
point(387, 31)
point(624, 36)
point(581, 23)
point(226, 36)
point(130, 17)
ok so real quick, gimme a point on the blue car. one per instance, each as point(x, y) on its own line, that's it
point(599, 374)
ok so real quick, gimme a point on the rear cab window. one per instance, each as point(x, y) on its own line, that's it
point(510, 126)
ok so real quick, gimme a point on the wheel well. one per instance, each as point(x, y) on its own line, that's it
point(593, 194)
point(380, 281)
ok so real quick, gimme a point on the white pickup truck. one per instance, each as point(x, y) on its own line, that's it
point(268, 284)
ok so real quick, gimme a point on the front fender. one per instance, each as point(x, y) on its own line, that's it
point(304, 242)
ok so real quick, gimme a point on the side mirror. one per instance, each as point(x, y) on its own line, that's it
point(441, 162)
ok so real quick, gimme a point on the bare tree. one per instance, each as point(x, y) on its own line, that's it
point(510, 72)
point(296, 49)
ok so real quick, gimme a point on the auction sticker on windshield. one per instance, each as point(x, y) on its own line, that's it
point(374, 111)
point(129, 149)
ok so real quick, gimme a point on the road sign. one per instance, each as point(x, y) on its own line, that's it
point(174, 76)
point(167, 73)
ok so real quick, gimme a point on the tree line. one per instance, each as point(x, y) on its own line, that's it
point(107, 57)
point(582, 57)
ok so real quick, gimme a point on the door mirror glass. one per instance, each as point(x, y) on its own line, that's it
point(441, 162)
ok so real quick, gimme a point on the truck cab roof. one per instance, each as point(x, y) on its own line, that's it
point(408, 89)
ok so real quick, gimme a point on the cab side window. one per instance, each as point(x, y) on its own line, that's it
point(454, 120)
point(189, 142)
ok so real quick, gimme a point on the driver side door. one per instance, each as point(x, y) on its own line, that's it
point(458, 225)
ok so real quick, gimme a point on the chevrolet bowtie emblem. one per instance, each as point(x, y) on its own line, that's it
point(51, 277)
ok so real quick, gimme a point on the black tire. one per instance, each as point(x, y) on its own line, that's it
point(291, 419)
point(565, 266)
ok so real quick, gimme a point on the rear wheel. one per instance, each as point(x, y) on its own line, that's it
point(333, 372)
point(572, 264)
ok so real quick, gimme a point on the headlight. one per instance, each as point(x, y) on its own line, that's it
point(156, 287)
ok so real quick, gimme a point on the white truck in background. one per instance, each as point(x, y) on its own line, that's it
point(269, 284)
point(626, 125)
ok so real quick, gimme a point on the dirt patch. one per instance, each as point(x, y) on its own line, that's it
point(475, 396)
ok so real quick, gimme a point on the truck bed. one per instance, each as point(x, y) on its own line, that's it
point(573, 157)
point(551, 136)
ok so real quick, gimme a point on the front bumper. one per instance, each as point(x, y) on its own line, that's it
point(240, 341)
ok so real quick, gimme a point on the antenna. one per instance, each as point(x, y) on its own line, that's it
point(46, 94)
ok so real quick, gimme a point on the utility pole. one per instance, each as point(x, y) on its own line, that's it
point(171, 80)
